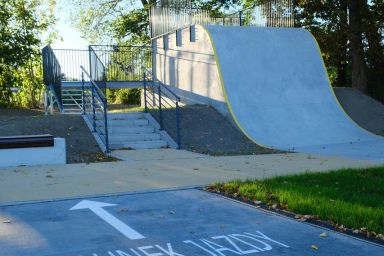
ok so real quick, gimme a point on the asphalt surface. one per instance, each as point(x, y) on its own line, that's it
point(175, 223)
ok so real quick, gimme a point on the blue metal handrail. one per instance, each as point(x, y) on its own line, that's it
point(95, 100)
point(159, 100)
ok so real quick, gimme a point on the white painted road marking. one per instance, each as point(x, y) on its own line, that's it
point(97, 208)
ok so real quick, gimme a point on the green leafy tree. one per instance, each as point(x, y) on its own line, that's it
point(21, 25)
point(350, 33)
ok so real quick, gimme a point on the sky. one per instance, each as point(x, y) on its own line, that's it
point(71, 37)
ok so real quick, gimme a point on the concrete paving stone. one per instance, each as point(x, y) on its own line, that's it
point(155, 169)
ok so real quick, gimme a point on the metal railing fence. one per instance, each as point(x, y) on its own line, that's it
point(70, 60)
point(272, 13)
point(97, 70)
point(52, 73)
point(123, 63)
point(95, 107)
point(163, 104)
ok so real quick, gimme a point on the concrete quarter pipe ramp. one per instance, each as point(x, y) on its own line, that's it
point(277, 90)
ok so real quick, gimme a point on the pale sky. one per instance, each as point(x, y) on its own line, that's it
point(71, 37)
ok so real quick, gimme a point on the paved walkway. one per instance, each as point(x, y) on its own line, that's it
point(184, 222)
point(153, 170)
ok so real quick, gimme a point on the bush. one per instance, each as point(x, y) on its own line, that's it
point(126, 96)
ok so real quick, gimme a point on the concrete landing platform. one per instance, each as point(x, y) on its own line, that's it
point(153, 170)
point(174, 223)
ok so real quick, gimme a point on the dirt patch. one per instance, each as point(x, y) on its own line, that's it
point(204, 130)
point(364, 110)
point(81, 146)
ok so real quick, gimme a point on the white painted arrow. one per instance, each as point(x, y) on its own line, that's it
point(97, 208)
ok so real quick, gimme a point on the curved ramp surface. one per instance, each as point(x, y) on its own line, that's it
point(277, 89)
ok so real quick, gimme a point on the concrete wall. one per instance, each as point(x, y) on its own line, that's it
point(34, 156)
point(190, 68)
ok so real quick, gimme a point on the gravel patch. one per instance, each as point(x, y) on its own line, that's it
point(204, 130)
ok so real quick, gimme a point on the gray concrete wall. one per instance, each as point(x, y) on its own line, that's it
point(190, 69)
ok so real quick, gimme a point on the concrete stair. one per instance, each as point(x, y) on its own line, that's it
point(133, 131)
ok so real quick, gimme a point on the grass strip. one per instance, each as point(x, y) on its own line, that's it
point(352, 198)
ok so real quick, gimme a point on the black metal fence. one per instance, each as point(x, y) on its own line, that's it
point(70, 61)
point(124, 63)
point(270, 13)
point(97, 70)
point(163, 104)
point(52, 72)
point(121, 63)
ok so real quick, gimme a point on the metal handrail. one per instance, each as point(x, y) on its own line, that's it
point(161, 84)
point(96, 93)
point(159, 88)
point(93, 82)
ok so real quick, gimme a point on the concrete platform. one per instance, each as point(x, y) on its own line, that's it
point(174, 223)
point(153, 170)
point(34, 155)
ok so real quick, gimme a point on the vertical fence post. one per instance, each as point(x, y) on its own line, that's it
point(106, 126)
point(82, 92)
point(160, 108)
point(93, 109)
point(145, 91)
point(178, 125)
point(241, 18)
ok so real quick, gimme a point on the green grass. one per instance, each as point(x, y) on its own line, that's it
point(350, 197)
point(120, 108)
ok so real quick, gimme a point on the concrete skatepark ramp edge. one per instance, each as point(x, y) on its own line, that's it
point(295, 107)
point(270, 82)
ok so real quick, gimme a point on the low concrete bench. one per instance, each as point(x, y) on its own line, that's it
point(27, 141)
point(31, 150)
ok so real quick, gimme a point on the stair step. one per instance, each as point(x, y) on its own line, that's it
point(129, 122)
point(140, 145)
point(69, 104)
point(130, 130)
point(115, 139)
point(125, 116)
point(72, 95)
point(71, 90)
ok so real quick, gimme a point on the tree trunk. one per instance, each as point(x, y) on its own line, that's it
point(341, 80)
point(359, 69)
point(375, 53)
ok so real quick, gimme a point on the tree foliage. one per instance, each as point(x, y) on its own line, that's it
point(350, 34)
point(21, 25)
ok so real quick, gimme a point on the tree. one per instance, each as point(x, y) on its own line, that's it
point(359, 67)
point(103, 21)
point(21, 24)
point(350, 34)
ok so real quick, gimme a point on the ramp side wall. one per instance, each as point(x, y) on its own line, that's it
point(190, 69)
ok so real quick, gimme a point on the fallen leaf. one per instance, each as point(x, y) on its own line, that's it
point(314, 247)
point(324, 234)
point(122, 210)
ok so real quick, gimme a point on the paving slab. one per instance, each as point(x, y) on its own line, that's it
point(176, 222)
point(159, 171)
point(156, 154)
